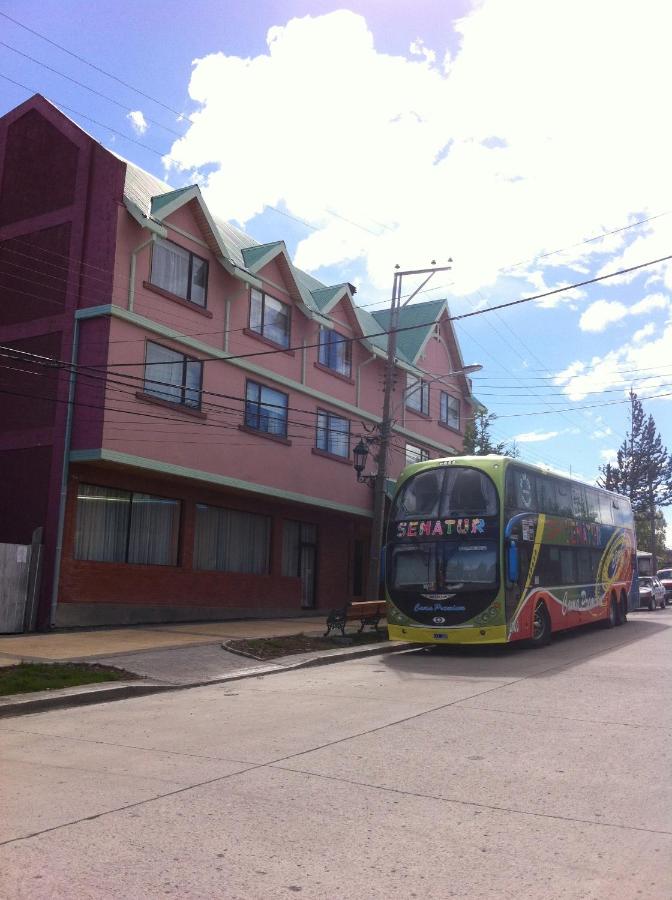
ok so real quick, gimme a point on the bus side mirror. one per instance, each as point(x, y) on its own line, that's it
point(512, 562)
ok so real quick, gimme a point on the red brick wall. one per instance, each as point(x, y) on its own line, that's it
point(182, 586)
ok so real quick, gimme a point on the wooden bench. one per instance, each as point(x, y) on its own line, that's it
point(367, 612)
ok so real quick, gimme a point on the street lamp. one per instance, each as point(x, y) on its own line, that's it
point(360, 455)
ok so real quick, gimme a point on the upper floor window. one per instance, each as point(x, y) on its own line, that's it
point(450, 411)
point(180, 272)
point(417, 394)
point(333, 434)
point(269, 317)
point(266, 409)
point(335, 351)
point(172, 376)
point(415, 454)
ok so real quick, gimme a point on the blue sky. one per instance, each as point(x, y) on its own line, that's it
point(512, 137)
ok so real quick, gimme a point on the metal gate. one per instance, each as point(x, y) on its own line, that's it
point(20, 568)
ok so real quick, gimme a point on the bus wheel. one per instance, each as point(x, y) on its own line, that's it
point(541, 626)
point(612, 619)
point(623, 609)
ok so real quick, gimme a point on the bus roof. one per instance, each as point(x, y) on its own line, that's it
point(492, 462)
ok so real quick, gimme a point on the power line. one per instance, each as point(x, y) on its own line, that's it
point(86, 87)
point(93, 65)
point(84, 116)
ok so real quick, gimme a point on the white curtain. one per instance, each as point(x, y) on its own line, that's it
point(102, 523)
point(170, 268)
point(230, 541)
point(154, 529)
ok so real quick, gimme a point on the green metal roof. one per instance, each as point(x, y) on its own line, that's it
point(160, 201)
point(420, 314)
point(151, 195)
point(323, 296)
point(253, 255)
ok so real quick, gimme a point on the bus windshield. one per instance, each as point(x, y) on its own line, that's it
point(435, 493)
point(442, 565)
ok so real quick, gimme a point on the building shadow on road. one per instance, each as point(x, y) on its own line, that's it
point(567, 649)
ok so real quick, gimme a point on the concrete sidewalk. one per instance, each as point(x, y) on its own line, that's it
point(165, 657)
point(96, 643)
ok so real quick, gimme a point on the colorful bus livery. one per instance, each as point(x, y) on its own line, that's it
point(488, 550)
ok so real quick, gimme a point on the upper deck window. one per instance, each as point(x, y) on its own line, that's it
point(458, 491)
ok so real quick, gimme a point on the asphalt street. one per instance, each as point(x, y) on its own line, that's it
point(470, 773)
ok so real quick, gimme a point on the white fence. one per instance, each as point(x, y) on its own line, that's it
point(20, 566)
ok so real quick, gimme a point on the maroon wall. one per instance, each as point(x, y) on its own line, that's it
point(59, 195)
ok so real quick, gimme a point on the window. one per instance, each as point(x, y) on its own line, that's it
point(126, 527)
point(415, 454)
point(269, 317)
point(180, 272)
point(417, 394)
point(172, 376)
point(333, 434)
point(265, 409)
point(450, 411)
point(227, 540)
point(335, 351)
point(437, 493)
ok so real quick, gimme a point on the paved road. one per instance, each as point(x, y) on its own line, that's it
point(480, 774)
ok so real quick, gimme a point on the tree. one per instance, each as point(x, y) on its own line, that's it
point(643, 473)
point(644, 535)
point(478, 440)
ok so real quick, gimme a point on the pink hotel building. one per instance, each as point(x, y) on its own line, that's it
point(179, 409)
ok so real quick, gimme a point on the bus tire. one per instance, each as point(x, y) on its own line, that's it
point(612, 619)
point(541, 626)
point(623, 609)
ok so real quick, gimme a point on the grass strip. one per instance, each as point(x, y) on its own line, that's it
point(27, 677)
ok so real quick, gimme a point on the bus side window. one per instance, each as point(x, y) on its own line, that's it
point(578, 501)
point(585, 574)
point(567, 567)
point(592, 505)
point(548, 499)
point(605, 509)
point(564, 499)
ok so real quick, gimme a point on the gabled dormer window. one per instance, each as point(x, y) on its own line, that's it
point(335, 351)
point(179, 272)
point(417, 394)
point(269, 317)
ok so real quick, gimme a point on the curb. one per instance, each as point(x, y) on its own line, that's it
point(25, 704)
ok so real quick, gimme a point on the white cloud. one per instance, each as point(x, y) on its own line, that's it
point(530, 437)
point(644, 332)
point(138, 121)
point(602, 313)
point(644, 365)
point(608, 456)
point(447, 158)
point(602, 432)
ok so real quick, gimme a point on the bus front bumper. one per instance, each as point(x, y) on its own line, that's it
point(494, 634)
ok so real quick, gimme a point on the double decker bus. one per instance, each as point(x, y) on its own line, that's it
point(490, 550)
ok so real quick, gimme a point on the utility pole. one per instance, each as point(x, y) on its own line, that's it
point(377, 525)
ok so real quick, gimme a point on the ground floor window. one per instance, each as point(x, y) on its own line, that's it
point(299, 557)
point(228, 540)
point(125, 526)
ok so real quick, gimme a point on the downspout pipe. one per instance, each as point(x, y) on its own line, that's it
point(65, 471)
point(131, 276)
